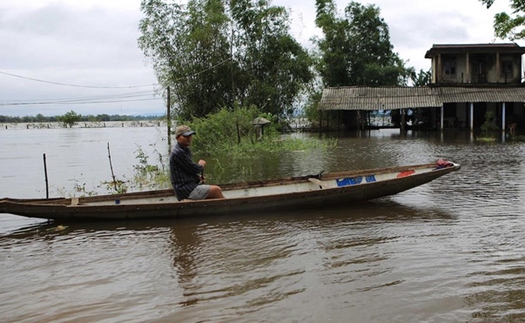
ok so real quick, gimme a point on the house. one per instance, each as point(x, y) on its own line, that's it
point(468, 81)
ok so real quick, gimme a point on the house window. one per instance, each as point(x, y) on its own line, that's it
point(450, 68)
point(506, 68)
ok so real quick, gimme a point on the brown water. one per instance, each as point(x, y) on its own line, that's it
point(449, 251)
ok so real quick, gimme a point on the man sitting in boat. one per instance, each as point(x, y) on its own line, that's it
point(186, 175)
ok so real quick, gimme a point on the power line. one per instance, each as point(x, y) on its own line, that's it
point(94, 100)
point(85, 102)
point(76, 85)
point(115, 98)
point(112, 87)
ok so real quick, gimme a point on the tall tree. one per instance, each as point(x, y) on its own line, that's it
point(213, 53)
point(70, 118)
point(189, 52)
point(507, 26)
point(333, 48)
point(356, 49)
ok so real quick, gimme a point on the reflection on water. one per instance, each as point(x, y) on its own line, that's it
point(448, 251)
point(241, 263)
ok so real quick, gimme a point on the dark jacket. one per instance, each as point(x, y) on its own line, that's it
point(184, 172)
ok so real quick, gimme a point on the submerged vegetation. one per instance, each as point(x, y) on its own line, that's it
point(489, 128)
point(230, 143)
point(234, 132)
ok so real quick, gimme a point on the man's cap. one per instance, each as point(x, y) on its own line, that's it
point(183, 130)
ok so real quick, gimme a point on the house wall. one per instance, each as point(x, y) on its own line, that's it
point(463, 76)
point(510, 71)
point(476, 68)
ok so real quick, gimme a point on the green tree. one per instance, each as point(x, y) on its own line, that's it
point(40, 118)
point(356, 49)
point(216, 53)
point(224, 130)
point(507, 26)
point(489, 127)
point(102, 117)
point(70, 118)
point(332, 62)
point(422, 78)
point(27, 119)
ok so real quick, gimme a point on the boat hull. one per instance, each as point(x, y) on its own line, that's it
point(292, 193)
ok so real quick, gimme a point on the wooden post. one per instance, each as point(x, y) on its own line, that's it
point(503, 115)
point(45, 176)
point(442, 117)
point(112, 173)
point(471, 117)
point(403, 120)
point(168, 119)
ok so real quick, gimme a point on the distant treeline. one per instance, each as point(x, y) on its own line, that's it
point(98, 117)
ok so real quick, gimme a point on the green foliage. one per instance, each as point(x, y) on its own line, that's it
point(145, 175)
point(70, 119)
point(116, 186)
point(509, 26)
point(213, 53)
point(232, 133)
point(150, 176)
point(224, 130)
point(489, 127)
point(422, 78)
point(78, 189)
point(356, 49)
point(488, 2)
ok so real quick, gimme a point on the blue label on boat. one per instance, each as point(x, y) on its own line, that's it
point(349, 181)
point(355, 180)
point(370, 178)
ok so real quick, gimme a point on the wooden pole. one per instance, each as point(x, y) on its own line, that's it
point(111, 167)
point(403, 120)
point(45, 175)
point(168, 119)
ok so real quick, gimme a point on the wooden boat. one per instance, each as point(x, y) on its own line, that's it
point(290, 193)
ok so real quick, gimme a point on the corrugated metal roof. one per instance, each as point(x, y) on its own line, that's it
point(476, 94)
point(391, 98)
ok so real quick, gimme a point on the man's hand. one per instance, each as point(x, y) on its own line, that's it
point(202, 162)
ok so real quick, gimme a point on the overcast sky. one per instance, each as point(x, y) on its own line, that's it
point(84, 53)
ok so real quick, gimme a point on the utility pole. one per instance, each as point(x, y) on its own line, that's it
point(168, 119)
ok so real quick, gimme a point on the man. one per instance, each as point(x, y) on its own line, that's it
point(185, 174)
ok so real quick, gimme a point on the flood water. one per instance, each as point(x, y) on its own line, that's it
point(452, 250)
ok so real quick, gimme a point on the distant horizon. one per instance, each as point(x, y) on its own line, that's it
point(148, 114)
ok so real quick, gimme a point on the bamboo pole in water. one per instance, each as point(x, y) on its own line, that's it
point(111, 167)
point(45, 176)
